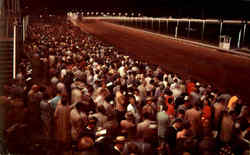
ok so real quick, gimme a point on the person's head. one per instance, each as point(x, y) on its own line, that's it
point(132, 99)
point(206, 102)
point(133, 149)
point(164, 107)
point(186, 125)
point(233, 114)
point(101, 109)
point(178, 123)
point(120, 141)
point(181, 114)
point(85, 143)
point(129, 116)
point(197, 105)
point(92, 122)
point(170, 100)
point(136, 91)
point(64, 99)
point(149, 100)
point(80, 106)
point(221, 100)
point(60, 88)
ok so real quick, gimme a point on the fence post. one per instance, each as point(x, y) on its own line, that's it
point(189, 26)
point(152, 23)
point(203, 29)
point(159, 25)
point(167, 25)
point(176, 28)
point(244, 33)
point(221, 26)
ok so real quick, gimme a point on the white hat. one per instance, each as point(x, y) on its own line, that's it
point(186, 98)
point(54, 80)
point(197, 84)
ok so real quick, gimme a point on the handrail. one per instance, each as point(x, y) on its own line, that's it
point(167, 19)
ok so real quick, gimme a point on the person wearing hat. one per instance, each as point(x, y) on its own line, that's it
point(150, 102)
point(119, 142)
point(186, 104)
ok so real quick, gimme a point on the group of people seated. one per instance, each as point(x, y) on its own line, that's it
point(85, 97)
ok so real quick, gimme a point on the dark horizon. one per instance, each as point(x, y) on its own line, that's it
point(237, 9)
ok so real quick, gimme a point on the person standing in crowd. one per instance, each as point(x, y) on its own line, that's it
point(219, 108)
point(133, 108)
point(171, 134)
point(78, 120)
point(100, 115)
point(171, 109)
point(227, 127)
point(163, 123)
point(119, 105)
point(46, 115)
point(193, 115)
point(128, 125)
point(62, 123)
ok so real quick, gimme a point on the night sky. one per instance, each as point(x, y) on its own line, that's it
point(226, 9)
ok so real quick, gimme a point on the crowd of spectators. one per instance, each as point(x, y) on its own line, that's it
point(89, 99)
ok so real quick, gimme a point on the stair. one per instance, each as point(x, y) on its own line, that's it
point(6, 62)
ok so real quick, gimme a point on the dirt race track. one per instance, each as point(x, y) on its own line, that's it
point(226, 71)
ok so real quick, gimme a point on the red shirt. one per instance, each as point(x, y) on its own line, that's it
point(190, 87)
point(171, 110)
point(206, 112)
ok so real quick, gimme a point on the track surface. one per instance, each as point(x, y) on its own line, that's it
point(210, 66)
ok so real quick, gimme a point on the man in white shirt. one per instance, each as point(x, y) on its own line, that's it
point(132, 108)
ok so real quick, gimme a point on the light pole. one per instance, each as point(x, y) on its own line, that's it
point(189, 27)
point(221, 26)
point(244, 32)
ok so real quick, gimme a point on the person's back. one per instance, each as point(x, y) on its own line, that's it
point(218, 110)
point(143, 128)
point(163, 122)
point(226, 131)
point(194, 117)
point(62, 123)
